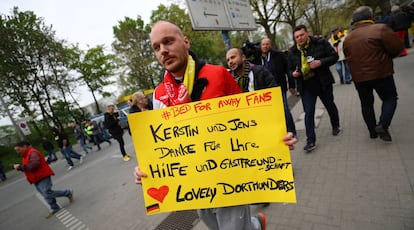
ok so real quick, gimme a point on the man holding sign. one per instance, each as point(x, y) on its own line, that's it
point(186, 80)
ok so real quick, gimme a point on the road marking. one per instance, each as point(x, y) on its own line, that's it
point(65, 217)
point(76, 225)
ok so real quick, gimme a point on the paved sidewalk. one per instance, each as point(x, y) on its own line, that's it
point(350, 181)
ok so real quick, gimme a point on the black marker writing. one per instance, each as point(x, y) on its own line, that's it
point(251, 186)
point(195, 194)
point(182, 150)
point(167, 133)
point(168, 170)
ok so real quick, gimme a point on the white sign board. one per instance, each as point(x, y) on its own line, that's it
point(24, 127)
point(221, 15)
point(241, 16)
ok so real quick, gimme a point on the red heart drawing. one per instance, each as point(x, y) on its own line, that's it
point(158, 194)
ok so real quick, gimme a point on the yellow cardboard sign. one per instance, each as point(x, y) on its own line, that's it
point(214, 153)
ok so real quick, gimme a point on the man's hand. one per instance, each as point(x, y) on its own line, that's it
point(139, 175)
point(290, 140)
point(315, 64)
point(16, 166)
point(292, 91)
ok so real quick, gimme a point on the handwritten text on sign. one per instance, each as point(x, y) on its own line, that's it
point(214, 153)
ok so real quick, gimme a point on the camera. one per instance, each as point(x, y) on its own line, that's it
point(251, 50)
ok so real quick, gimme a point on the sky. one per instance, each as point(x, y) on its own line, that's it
point(86, 22)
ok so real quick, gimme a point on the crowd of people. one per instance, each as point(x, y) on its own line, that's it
point(304, 69)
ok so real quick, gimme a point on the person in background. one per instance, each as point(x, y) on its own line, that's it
point(65, 147)
point(139, 103)
point(38, 172)
point(399, 22)
point(93, 131)
point(371, 64)
point(276, 62)
point(188, 79)
point(337, 39)
point(50, 149)
point(309, 62)
point(3, 176)
point(80, 136)
point(112, 124)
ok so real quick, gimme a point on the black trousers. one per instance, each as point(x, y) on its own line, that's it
point(387, 92)
point(120, 139)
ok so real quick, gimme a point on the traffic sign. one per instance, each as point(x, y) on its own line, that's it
point(221, 15)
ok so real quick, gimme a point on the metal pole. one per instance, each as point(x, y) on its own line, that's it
point(16, 127)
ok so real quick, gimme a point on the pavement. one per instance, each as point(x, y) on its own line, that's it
point(351, 181)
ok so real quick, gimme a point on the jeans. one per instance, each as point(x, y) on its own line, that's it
point(387, 92)
point(309, 102)
point(68, 153)
point(342, 66)
point(229, 218)
point(44, 187)
point(51, 154)
point(83, 145)
point(290, 124)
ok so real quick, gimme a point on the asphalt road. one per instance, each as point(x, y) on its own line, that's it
point(106, 196)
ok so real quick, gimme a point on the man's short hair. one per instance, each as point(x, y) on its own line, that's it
point(362, 13)
point(300, 27)
point(22, 144)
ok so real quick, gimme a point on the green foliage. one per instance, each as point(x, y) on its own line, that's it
point(95, 69)
point(35, 68)
point(139, 69)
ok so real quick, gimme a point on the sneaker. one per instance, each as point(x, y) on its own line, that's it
point(383, 133)
point(309, 147)
point(262, 220)
point(70, 168)
point(71, 197)
point(50, 214)
point(126, 158)
point(81, 160)
point(373, 135)
point(336, 131)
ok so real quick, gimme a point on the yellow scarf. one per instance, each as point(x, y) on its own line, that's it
point(306, 70)
point(188, 80)
point(362, 22)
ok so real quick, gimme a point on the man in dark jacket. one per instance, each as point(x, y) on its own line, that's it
point(276, 62)
point(39, 173)
point(252, 77)
point(370, 49)
point(112, 124)
point(309, 60)
point(65, 147)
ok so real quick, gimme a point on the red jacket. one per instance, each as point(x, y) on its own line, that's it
point(219, 83)
point(36, 174)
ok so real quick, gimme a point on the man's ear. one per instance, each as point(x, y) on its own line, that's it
point(187, 42)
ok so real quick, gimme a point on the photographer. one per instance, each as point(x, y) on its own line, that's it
point(112, 124)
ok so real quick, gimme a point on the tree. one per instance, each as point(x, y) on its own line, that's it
point(29, 52)
point(133, 49)
point(268, 15)
point(95, 69)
